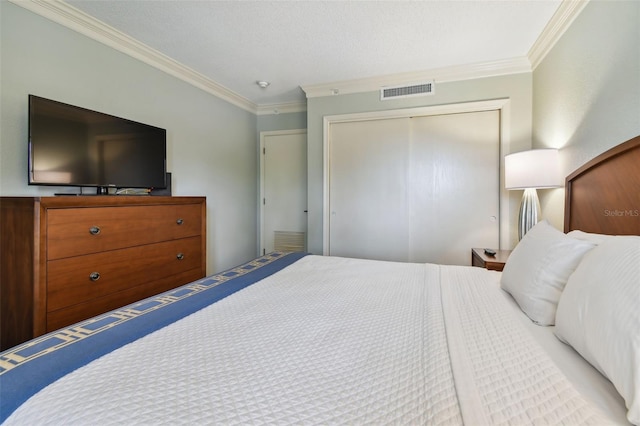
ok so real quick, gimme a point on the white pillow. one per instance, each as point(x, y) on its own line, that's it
point(587, 236)
point(538, 269)
point(599, 315)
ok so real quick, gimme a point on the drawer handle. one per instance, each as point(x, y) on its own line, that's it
point(179, 221)
point(94, 276)
point(94, 230)
point(180, 256)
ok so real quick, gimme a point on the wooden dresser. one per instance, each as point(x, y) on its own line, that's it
point(65, 259)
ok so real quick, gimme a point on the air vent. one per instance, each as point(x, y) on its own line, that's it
point(421, 89)
point(288, 241)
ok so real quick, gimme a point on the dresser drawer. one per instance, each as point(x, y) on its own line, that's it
point(73, 280)
point(75, 313)
point(79, 231)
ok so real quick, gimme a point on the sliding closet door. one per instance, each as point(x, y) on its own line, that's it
point(420, 189)
point(455, 186)
point(368, 196)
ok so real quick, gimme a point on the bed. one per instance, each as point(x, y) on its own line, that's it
point(294, 338)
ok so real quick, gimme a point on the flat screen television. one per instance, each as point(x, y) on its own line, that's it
point(73, 146)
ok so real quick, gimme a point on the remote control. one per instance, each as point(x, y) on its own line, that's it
point(490, 252)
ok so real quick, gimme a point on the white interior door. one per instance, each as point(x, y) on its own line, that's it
point(283, 191)
point(420, 189)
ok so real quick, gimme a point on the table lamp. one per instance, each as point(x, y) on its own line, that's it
point(530, 170)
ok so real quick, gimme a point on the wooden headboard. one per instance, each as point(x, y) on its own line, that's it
point(603, 196)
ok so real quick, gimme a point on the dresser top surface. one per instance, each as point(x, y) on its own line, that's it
point(102, 200)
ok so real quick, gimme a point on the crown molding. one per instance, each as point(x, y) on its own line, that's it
point(64, 14)
point(283, 108)
point(76, 20)
point(453, 73)
point(559, 23)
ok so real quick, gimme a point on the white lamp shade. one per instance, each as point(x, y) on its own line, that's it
point(538, 168)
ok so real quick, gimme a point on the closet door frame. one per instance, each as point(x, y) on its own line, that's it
point(501, 105)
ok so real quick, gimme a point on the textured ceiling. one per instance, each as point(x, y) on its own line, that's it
point(301, 43)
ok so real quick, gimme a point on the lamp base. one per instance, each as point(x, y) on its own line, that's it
point(529, 211)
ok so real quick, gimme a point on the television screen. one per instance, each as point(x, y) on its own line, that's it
point(73, 146)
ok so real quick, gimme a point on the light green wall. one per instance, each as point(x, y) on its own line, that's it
point(288, 121)
point(211, 143)
point(586, 96)
point(583, 97)
point(517, 88)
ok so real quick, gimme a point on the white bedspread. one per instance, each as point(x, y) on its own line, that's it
point(327, 341)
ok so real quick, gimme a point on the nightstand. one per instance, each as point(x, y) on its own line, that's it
point(493, 263)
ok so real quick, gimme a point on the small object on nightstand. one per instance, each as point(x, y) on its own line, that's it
point(494, 262)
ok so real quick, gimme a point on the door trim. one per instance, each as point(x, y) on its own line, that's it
point(501, 105)
point(261, 194)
